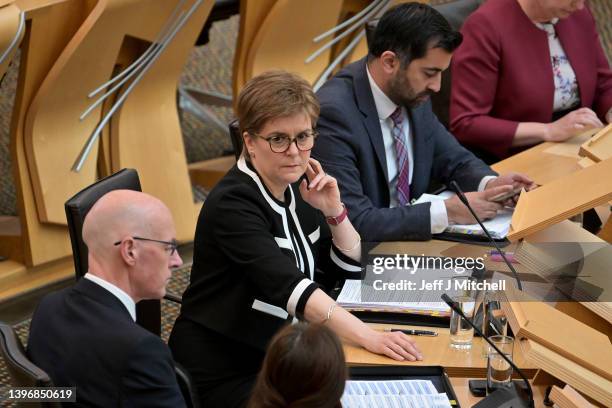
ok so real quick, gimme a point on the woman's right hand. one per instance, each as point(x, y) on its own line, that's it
point(396, 345)
point(571, 124)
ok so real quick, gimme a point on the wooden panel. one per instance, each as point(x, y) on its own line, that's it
point(10, 238)
point(540, 166)
point(49, 30)
point(284, 41)
point(208, 173)
point(252, 15)
point(54, 135)
point(568, 371)
point(600, 146)
point(568, 398)
point(606, 231)
point(146, 133)
point(9, 24)
point(16, 279)
point(557, 331)
point(561, 199)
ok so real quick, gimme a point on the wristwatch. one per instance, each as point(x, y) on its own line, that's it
point(339, 218)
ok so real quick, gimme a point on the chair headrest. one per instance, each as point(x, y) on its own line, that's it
point(79, 205)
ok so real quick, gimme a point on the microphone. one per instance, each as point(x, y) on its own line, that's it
point(465, 202)
point(501, 397)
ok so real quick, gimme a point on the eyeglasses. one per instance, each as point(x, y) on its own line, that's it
point(280, 142)
point(172, 245)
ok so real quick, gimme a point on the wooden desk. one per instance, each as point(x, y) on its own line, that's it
point(546, 161)
point(437, 352)
point(461, 365)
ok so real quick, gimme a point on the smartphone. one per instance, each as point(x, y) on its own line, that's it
point(478, 388)
point(500, 198)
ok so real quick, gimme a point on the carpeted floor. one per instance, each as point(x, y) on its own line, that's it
point(169, 311)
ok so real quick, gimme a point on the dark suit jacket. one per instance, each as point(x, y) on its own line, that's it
point(84, 337)
point(351, 149)
point(502, 73)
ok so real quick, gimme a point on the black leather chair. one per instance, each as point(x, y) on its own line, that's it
point(455, 13)
point(190, 394)
point(236, 137)
point(22, 371)
point(148, 312)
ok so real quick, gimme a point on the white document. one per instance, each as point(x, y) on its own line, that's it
point(350, 297)
point(498, 227)
point(394, 387)
point(395, 394)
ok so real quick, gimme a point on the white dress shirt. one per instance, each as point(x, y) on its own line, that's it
point(127, 301)
point(385, 107)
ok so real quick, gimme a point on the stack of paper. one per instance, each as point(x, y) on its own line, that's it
point(401, 393)
point(498, 227)
point(351, 297)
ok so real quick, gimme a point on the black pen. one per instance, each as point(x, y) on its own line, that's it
point(415, 332)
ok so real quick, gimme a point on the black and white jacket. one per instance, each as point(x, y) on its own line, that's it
point(255, 258)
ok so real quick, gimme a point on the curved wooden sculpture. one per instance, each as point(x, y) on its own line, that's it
point(277, 34)
point(146, 125)
point(70, 48)
point(12, 29)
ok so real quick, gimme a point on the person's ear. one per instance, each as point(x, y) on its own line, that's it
point(129, 252)
point(247, 140)
point(389, 62)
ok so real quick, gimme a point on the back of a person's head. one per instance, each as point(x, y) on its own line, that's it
point(304, 368)
point(410, 29)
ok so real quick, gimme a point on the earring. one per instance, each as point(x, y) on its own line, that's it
point(252, 154)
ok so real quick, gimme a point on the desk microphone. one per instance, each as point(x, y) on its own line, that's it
point(465, 202)
point(500, 398)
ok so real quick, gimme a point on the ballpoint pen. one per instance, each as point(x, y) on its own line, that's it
point(412, 332)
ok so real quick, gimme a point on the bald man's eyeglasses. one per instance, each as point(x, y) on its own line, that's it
point(172, 245)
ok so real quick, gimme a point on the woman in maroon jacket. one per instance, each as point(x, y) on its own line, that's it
point(528, 71)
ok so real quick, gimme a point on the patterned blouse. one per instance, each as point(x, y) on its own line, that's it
point(566, 87)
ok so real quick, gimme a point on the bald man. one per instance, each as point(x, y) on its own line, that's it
point(86, 336)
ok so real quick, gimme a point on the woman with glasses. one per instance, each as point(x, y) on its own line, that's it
point(274, 219)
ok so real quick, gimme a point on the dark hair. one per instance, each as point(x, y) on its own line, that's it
point(304, 368)
point(410, 29)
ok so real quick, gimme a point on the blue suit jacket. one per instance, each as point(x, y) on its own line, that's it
point(350, 148)
point(84, 337)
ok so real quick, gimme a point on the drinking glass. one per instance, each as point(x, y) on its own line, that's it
point(461, 333)
point(499, 371)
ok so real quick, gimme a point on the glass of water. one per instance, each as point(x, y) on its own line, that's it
point(499, 371)
point(461, 333)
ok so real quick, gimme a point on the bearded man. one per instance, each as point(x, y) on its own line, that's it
point(380, 139)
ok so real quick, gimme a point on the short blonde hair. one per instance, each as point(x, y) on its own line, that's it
point(271, 95)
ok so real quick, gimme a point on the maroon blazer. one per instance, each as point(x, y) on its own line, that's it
point(502, 73)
